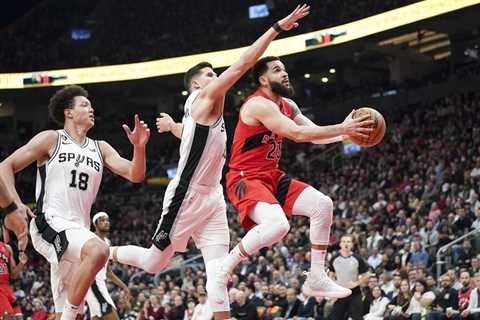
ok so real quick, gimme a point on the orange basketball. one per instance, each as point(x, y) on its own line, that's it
point(378, 126)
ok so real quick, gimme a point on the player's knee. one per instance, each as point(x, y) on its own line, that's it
point(325, 204)
point(283, 227)
point(97, 251)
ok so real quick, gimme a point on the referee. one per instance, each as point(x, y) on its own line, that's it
point(351, 272)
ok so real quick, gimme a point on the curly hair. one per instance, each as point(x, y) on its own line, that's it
point(63, 99)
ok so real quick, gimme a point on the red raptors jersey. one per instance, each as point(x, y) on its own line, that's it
point(4, 264)
point(255, 148)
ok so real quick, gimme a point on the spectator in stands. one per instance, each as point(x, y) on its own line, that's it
point(202, 309)
point(456, 284)
point(475, 265)
point(242, 309)
point(463, 222)
point(375, 259)
point(251, 296)
point(378, 306)
point(294, 306)
point(463, 255)
point(445, 298)
point(418, 257)
point(178, 310)
point(397, 309)
point(429, 237)
point(473, 309)
point(420, 301)
point(463, 295)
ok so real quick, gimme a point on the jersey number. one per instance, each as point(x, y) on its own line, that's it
point(275, 150)
point(82, 180)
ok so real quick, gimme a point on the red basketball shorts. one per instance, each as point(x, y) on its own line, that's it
point(245, 190)
point(7, 298)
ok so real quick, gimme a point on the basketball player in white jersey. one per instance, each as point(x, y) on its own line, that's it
point(70, 167)
point(99, 302)
point(193, 204)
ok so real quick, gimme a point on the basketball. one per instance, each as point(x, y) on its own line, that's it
point(378, 126)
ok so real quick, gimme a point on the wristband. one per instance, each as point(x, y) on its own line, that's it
point(277, 27)
point(8, 209)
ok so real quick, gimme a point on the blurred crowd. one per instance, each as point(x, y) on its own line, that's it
point(126, 31)
point(401, 201)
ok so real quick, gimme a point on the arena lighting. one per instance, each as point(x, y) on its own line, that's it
point(442, 55)
point(332, 70)
point(287, 46)
point(184, 93)
point(307, 75)
point(434, 46)
point(324, 79)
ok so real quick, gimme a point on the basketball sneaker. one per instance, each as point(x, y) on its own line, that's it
point(321, 285)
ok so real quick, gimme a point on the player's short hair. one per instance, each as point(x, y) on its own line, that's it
point(63, 99)
point(261, 67)
point(194, 71)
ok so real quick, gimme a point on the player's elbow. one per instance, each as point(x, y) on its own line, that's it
point(136, 177)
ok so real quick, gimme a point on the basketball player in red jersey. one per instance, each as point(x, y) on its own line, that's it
point(265, 195)
point(9, 269)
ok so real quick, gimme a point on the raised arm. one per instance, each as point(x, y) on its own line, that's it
point(301, 120)
point(267, 113)
point(133, 170)
point(220, 86)
point(165, 123)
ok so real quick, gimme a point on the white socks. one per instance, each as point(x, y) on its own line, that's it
point(152, 260)
point(318, 260)
point(69, 311)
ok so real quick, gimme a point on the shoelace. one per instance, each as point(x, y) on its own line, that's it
point(323, 278)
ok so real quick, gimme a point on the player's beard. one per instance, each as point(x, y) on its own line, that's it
point(281, 90)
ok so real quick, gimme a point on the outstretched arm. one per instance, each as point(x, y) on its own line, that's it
point(165, 123)
point(301, 120)
point(37, 149)
point(267, 113)
point(133, 170)
point(220, 86)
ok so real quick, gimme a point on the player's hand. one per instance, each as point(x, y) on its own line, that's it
point(357, 127)
point(22, 258)
point(17, 222)
point(126, 292)
point(290, 21)
point(465, 313)
point(140, 134)
point(164, 123)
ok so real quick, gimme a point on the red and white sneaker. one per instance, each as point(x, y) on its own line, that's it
point(321, 285)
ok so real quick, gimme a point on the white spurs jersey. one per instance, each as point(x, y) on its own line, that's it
point(67, 184)
point(202, 150)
